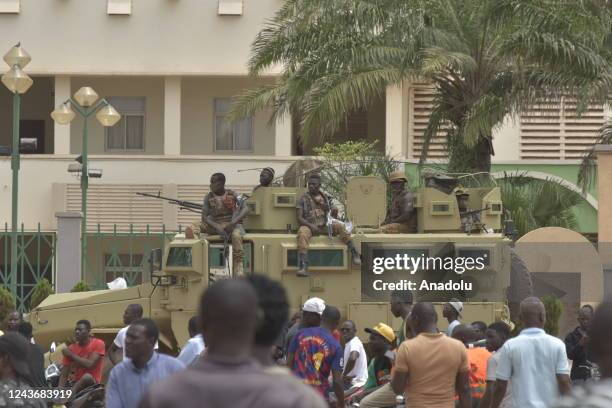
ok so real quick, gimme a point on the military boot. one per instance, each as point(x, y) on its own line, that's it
point(303, 262)
point(355, 257)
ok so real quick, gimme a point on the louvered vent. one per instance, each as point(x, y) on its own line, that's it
point(196, 193)
point(554, 131)
point(110, 204)
point(420, 106)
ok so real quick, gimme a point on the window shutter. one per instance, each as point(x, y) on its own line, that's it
point(420, 106)
point(552, 130)
point(109, 204)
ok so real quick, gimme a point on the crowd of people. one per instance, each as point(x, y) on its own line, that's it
point(244, 351)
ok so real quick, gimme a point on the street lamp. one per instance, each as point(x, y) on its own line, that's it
point(18, 82)
point(84, 102)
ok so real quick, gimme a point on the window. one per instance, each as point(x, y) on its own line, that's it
point(129, 133)
point(318, 257)
point(230, 7)
point(179, 256)
point(231, 137)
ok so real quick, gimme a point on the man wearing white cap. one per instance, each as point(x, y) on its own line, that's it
point(314, 353)
point(452, 312)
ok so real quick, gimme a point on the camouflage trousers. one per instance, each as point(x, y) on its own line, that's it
point(200, 228)
point(304, 234)
point(395, 228)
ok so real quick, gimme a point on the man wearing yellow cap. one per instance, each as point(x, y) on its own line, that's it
point(401, 215)
point(380, 394)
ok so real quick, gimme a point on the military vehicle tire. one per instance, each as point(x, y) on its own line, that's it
point(521, 286)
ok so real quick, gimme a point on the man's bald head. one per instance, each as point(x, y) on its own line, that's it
point(228, 315)
point(533, 313)
point(423, 317)
point(132, 312)
point(465, 334)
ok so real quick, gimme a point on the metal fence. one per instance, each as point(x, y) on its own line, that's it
point(35, 261)
point(115, 251)
point(122, 251)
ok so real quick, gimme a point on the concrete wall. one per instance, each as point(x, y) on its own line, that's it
point(197, 115)
point(152, 88)
point(36, 104)
point(506, 141)
point(159, 37)
point(604, 174)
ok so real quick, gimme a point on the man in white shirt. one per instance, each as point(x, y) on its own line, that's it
point(355, 372)
point(116, 352)
point(534, 362)
point(194, 346)
point(452, 312)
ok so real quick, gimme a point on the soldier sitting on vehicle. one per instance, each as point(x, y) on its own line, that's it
point(312, 212)
point(470, 219)
point(401, 215)
point(223, 213)
point(266, 177)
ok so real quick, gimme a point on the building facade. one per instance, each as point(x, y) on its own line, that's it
point(171, 68)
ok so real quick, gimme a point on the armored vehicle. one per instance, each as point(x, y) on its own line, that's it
point(440, 249)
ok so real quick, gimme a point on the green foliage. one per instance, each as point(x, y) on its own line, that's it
point(81, 286)
point(41, 291)
point(486, 59)
point(554, 308)
point(7, 303)
point(343, 161)
point(534, 203)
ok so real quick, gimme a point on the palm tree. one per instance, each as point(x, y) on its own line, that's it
point(486, 58)
point(534, 203)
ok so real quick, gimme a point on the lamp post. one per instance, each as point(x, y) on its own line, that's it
point(18, 82)
point(84, 102)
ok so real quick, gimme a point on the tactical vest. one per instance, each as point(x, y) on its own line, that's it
point(314, 212)
point(395, 210)
point(222, 210)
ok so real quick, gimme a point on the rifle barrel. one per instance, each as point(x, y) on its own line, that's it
point(185, 204)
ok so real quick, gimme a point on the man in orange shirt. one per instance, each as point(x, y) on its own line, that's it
point(431, 367)
point(84, 356)
point(477, 359)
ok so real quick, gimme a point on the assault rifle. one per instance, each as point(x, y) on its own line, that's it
point(462, 214)
point(183, 205)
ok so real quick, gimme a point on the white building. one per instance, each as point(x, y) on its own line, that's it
point(170, 67)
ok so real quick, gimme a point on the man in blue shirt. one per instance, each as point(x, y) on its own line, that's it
point(534, 362)
point(130, 379)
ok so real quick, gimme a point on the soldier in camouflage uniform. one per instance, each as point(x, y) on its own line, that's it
point(470, 219)
point(312, 210)
point(15, 378)
point(223, 213)
point(401, 215)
